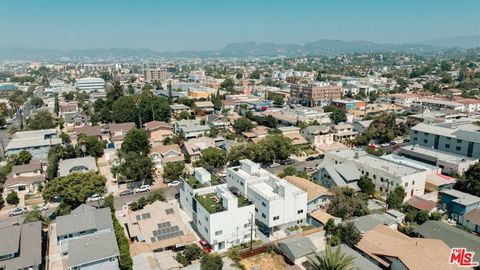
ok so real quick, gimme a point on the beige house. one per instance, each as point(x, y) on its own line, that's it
point(194, 147)
point(118, 132)
point(343, 132)
point(163, 154)
point(158, 131)
point(25, 178)
point(318, 135)
point(160, 226)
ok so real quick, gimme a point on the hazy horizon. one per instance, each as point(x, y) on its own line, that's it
point(210, 25)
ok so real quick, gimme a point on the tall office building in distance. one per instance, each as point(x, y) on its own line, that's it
point(158, 74)
point(91, 84)
point(313, 95)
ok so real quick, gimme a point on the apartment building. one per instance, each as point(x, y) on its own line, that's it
point(91, 84)
point(313, 95)
point(212, 207)
point(158, 74)
point(460, 137)
point(318, 135)
point(386, 174)
point(278, 204)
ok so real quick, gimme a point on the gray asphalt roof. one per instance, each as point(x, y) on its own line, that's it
point(10, 240)
point(84, 218)
point(368, 222)
point(66, 165)
point(92, 248)
point(452, 236)
point(295, 248)
point(30, 247)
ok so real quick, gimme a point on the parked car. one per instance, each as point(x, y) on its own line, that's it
point(385, 144)
point(311, 158)
point(44, 207)
point(95, 198)
point(205, 246)
point(174, 183)
point(126, 192)
point(17, 211)
point(288, 161)
point(143, 188)
point(273, 165)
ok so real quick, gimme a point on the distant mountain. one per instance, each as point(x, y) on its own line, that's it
point(464, 42)
point(245, 49)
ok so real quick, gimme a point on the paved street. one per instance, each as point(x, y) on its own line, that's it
point(299, 165)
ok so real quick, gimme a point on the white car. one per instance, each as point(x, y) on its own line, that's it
point(95, 198)
point(273, 165)
point(44, 207)
point(143, 188)
point(17, 211)
point(174, 183)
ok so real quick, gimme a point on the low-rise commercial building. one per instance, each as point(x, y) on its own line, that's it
point(313, 95)
point(91, 84)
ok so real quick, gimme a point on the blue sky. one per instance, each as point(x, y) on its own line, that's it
point(211, 24)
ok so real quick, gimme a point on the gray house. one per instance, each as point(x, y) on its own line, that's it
point(21, 246)
point(83, 220)
point(81, 164)
point(330, 174)
point(97, 251)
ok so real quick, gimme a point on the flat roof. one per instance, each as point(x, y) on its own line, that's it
point(437, 154)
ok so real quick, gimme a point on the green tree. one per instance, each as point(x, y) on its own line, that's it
point(105, 116)
point(183, 116)
point(93, 145)
point(338, 116)
point(42, 120)
point(35, 215)
point(173, 170)
point(242, 125)
point(136, 141)
point(348, 234)
point(2, 202)
point(242, 151)
point(213, 157)
point(24, 157)
point(36, 102)
point(126, 262)
point(346, 204)
point(422, 216)
point(124, 110)
point(395, 198)
point(12, 198)
point(74, 189)
point(332, 260)
point(69, 96)
point(56, 105)
point(228, 84)
point(113, 94)
point(445, 66)
point(16, 100)
point(136, 167)
point(273, 148)
point(436, 216)
point(366, 185)
point(469, 182)
point(217, 101)
point(211, 262)
point(330, 226)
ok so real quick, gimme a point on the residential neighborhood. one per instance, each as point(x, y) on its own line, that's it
point(335, 154)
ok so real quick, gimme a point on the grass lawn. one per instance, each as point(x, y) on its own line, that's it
point(209, 203)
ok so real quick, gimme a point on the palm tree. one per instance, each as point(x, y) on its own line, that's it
point(16, 100)
point(332, 260)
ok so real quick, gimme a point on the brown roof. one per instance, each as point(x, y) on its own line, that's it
point(30, 167)
point(297, 139)
point(313, 190)
point(414, 253)
point(89, 130)
point(22, 180)
point(421, 204)
point(165, 148)
point(121, 127)
point(154, 125)
point(473, 216)
point(321, 216)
